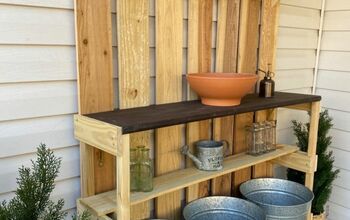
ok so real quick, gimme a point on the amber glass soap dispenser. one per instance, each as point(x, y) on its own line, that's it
point(267, 85)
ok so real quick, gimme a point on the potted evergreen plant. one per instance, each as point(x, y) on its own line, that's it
point(32, 197)
point(325, 174)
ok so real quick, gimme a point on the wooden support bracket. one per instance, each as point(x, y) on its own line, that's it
point(303, 106)
point(101, 135)
point(298, 161)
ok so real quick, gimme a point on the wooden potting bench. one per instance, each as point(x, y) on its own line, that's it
point(109, 131)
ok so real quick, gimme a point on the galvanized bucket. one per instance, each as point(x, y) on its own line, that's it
point(223, 208)
point(281, 199)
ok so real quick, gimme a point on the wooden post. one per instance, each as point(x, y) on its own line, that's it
point(199, 60)
point(226, 61)
point(168, 158)
point(95, 87)
point(267, 55)
point(123, 179)
point(134, 71)
point(247, 60)
point(313, 131)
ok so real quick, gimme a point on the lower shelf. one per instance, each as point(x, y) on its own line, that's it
point(105, 203)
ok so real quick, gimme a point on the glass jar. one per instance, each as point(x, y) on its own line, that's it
point(146, 171)
point(134, 170)
point(273, 144)
point(260, 138)
point(250, 139)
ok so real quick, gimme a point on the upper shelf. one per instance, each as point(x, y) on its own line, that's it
point(156, 116)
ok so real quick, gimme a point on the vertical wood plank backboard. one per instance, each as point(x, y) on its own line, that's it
point(226, 61)
point(199, 60)
point(168, 89)
point(247, 63)
point(267, 55)
point(134, 71)
point(95, 86)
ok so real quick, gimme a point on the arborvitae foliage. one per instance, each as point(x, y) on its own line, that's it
point(325, 174)
point(35, 184)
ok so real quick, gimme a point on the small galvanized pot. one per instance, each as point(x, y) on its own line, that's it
point(281, 199)
point(222, 208)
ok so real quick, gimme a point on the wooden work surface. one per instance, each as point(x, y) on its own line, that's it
point(156, 116)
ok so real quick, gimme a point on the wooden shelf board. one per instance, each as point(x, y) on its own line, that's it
point(105, 203)
point(156, 116)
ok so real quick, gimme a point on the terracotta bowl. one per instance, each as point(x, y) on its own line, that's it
point(221, 89)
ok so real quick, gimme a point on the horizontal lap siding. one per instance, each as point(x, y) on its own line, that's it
point(296, 53)
point(38, 94)
point(38, 77)
point(333, 84)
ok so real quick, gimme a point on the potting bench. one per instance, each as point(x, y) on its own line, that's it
point(109, 131)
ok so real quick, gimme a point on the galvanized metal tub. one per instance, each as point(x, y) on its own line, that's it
point(223, 208)
point(281, 199)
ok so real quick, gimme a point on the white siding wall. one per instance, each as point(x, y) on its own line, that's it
point(38, 91)
point(296, 54)
point(333, 84)
point(38, 81)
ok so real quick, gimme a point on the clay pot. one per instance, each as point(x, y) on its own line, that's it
point(221, 89)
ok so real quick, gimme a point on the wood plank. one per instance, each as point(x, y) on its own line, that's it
point(156, 116)
point(95, 84)
point(304, 106)
point(104, 203)
point(134, 71)
point(199, 60)
point(168, 89)
point(101, 135)
point(298, 161)
point(267, 55)
point(226, 57)
point(312, 143)
point(247, 62)
point(122, 194)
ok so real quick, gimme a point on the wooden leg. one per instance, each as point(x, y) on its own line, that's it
point(313, 131)
point(123, 179)
point(314, 117)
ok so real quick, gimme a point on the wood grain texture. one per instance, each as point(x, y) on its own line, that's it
point(267, 55)
point(105, 203)
point(134, 71)
point(123, 179)
point(168, 89)
point(312, 141)
point(199, 60)
point(157, 116)
point(247, 62)
point(95, 85)
point(226, 57)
